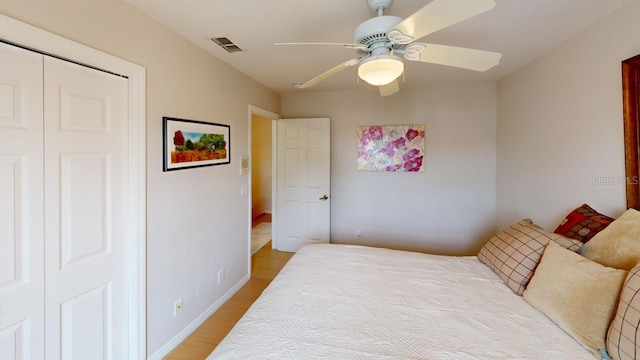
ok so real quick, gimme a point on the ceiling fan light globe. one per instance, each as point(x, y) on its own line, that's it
point(381, 70)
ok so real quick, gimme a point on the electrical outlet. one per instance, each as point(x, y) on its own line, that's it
point(358, 234)
point(177, 307)
point(220, 276)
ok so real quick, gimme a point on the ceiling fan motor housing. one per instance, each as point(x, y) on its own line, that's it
point(374, 31)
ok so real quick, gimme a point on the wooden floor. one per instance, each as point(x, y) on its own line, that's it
point(265, 265)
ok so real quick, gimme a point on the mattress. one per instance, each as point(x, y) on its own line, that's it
point(352, 302)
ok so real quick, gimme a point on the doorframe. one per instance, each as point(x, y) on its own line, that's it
point(30, 37)
point(631, 115)
point(255, 110)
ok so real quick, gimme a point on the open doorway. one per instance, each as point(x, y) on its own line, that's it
point(261, 182)
point(261, 207)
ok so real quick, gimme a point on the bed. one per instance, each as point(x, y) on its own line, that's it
point(353, 302)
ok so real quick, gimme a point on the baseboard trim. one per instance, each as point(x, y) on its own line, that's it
point(173, 343)
point(262, 213)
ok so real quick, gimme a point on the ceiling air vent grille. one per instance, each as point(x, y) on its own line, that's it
point(226, 44)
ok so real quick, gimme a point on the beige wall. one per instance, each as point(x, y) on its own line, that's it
point(261, 164)
point(448, 208)
point(560, 133)
point(197, 220)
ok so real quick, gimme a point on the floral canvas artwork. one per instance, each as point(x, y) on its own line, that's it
point(391, 148)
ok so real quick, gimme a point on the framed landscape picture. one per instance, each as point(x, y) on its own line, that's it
point(190, 143)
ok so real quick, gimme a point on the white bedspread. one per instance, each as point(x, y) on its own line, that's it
point(352, 302)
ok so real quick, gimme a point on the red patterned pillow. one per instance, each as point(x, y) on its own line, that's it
point(583, 223)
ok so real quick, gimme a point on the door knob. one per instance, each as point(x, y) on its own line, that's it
point(324, 197)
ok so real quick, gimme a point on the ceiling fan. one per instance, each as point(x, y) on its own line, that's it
point(379, 41)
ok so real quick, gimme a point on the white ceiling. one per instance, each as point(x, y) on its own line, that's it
point(522, 30)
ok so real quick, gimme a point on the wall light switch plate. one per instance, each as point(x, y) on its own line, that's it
point(244, 165)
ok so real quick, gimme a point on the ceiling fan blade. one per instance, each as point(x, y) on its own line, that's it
point(329, 73)
point(437, 15)
point(472, 59)
point(345, 45)
point(389, 89)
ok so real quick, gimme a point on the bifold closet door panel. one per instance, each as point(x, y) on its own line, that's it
point(86, 144)
point(21, 205)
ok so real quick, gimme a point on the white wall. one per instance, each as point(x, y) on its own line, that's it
point(560, 126)
point(197, 220)
point(450, 207)
point(261, 164)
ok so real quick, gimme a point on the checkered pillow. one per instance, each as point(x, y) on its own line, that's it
point(515, 252)
point(623, 339)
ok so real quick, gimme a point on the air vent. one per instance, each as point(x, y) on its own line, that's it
point(226, 44)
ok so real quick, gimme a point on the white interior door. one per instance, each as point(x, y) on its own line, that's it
point(21, 202)
point(303, 182)
point(86, 277)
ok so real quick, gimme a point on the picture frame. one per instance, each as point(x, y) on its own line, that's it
point(191, 143)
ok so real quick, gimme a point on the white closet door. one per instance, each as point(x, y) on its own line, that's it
point(21, 215)
point(86, 144)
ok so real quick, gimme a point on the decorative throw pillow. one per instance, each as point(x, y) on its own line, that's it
point(618, 245)
point(623, 339)
point(577, 294)
point(515, 252)
point(583, 223)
